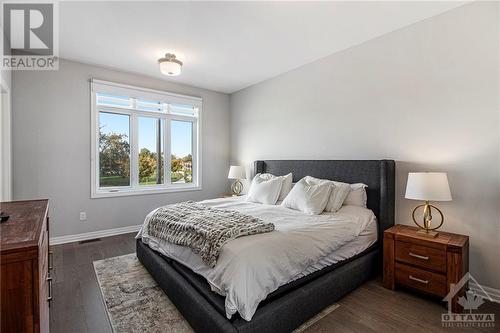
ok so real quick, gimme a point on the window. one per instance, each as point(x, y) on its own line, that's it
point(143, 141)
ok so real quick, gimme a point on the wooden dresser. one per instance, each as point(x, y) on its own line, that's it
point(429, 265)
point(26, 285)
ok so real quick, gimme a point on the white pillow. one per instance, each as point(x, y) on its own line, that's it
point(264, 190)
point(339, 193)
point(357, 196)
point(285, 187)
point(308, 197)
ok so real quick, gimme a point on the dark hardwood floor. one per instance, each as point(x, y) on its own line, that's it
point(78, 304)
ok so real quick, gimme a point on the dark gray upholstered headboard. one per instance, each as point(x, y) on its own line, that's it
point(377, 174)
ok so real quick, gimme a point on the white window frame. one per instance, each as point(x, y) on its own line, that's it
point(100, 86)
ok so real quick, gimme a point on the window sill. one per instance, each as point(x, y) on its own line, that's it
point(129, 192)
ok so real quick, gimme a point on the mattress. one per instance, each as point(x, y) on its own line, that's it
point(301, 244)
point(364, 240)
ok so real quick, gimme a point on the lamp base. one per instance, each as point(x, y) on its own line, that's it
point(236, 188)
point(427, 233)
point(425, 229)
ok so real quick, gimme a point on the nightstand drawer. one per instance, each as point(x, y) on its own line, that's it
point(421, 256)
point(432, 283)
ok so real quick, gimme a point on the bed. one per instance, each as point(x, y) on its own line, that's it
point(295, 302)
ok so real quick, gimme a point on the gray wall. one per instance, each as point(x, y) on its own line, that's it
point(425, 96)
point(51, 147)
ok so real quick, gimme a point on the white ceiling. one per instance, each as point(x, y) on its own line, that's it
point(226, 46)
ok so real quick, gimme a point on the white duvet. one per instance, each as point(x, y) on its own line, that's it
point(250, 268)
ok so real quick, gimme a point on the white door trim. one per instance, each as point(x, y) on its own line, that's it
point(6, 141)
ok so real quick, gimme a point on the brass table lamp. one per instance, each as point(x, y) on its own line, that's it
point(236, 172)
point(428, 186)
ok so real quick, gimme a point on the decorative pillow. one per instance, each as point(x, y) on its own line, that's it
point(340, 191)
point(285, 187)
point(264, 190)
point(308, 197)
point(357, 196)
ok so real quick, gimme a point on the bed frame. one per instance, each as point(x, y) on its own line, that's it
point(294, 303)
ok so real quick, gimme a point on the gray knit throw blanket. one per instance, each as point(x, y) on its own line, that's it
point(204, 229)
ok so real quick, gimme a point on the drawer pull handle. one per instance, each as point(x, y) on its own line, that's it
point(49, 280)
point(51, 260)
point(418, 256)
point(418, 280)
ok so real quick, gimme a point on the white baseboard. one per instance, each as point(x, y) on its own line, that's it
point(94, 234)
point(493, 293)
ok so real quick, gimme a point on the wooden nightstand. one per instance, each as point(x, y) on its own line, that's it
point(428, 265)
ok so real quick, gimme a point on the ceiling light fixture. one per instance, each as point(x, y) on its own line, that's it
point(170, 65)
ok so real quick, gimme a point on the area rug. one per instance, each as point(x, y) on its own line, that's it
point(135, 303)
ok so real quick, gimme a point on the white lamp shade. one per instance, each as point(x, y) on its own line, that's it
point(170, 68)
point(432, 186)
point(236, 172)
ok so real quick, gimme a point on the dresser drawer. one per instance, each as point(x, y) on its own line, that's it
point(422, 256)
point(432, 283)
